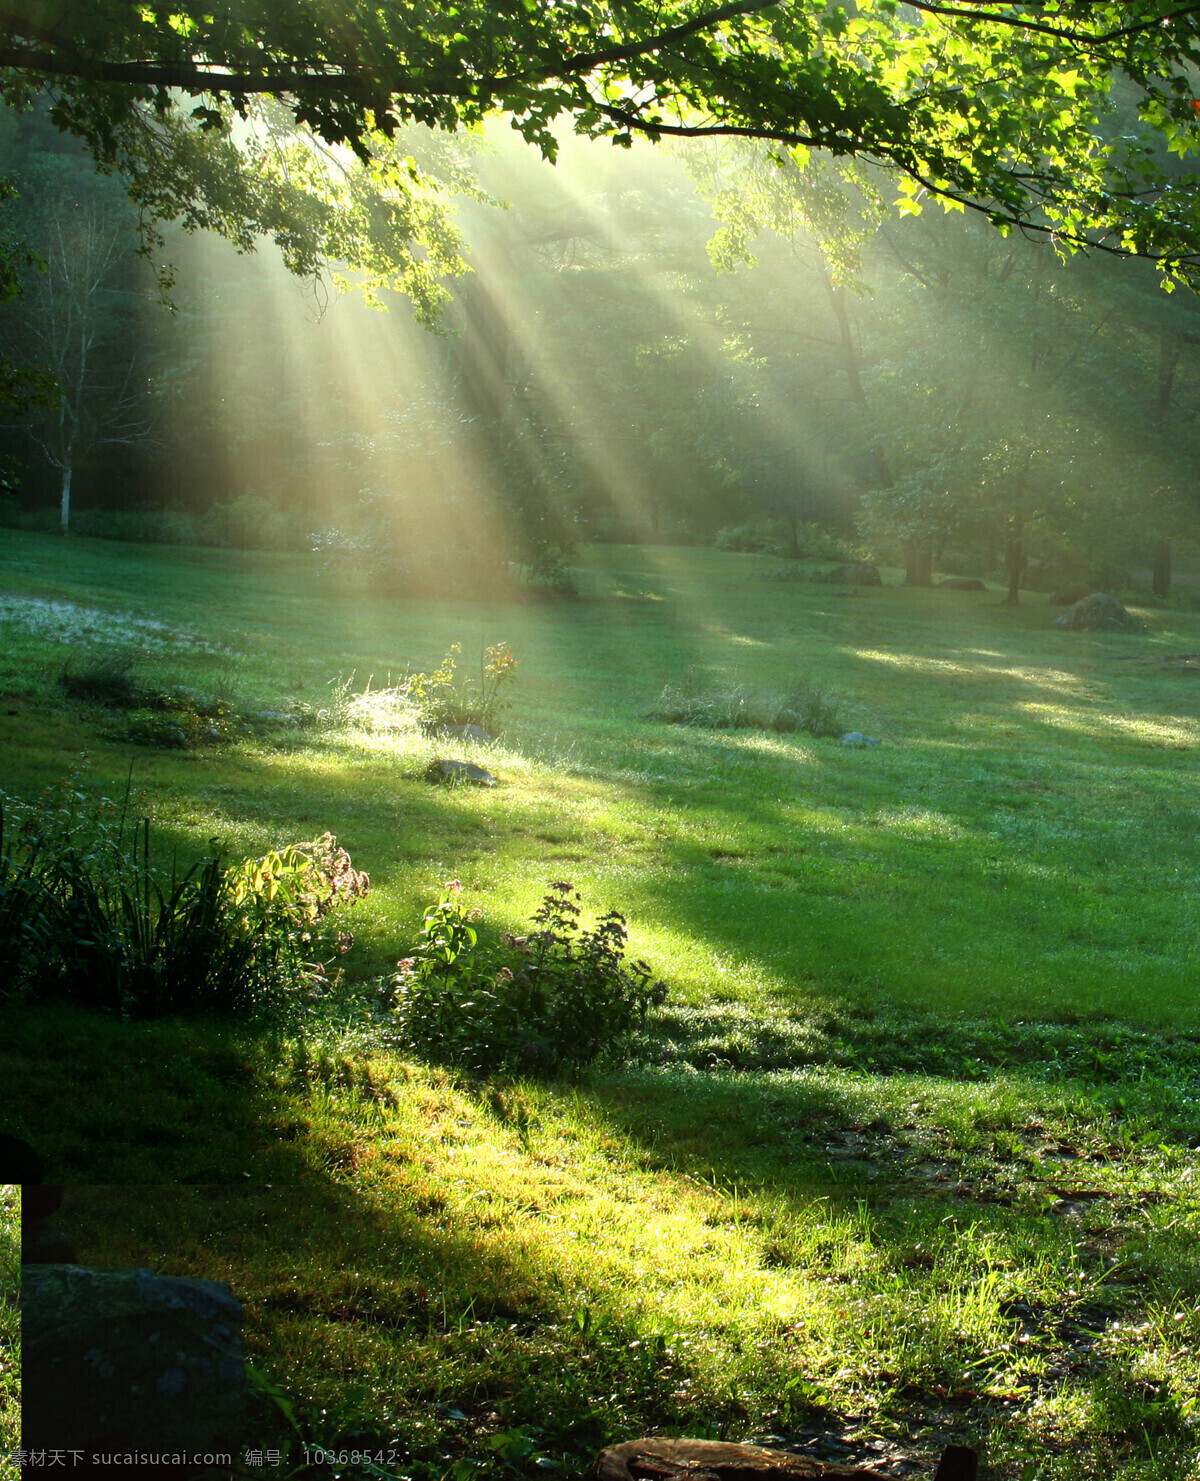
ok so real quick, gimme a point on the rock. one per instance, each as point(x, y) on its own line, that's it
point(459, 771)
point(19, 1163)
point(961, 583)
point(857, 738)
point(475, 733)
point(1067, 596)
point(1099, 613)
point(715, 1460)
point(860, 574)
point(127, 1360)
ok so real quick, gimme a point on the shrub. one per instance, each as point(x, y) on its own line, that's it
point(549, 1001)
point(86, 917)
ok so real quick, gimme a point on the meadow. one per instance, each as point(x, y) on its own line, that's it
point(908, 1155)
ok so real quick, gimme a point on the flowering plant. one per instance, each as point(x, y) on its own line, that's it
point(545, 1002)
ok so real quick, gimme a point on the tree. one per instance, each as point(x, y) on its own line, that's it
point(76, 316)
point(1059, 116)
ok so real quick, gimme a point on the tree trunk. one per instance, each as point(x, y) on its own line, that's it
point(66, 500)
point(1014, 558)
point(1162, 569)
point(918, 562)
point(793, 551)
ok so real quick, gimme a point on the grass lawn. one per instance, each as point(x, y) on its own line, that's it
point(10, 1329)
point(911, 1152)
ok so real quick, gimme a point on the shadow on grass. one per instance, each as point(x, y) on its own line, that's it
point(391, 1330)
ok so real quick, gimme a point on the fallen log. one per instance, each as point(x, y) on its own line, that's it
point(716, 1460)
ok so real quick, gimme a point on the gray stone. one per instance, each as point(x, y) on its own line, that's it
point(1099, 613)
point(857, 738)
point(128, 1361)
point(962, 583)
point(459, 771)
point(475, 733)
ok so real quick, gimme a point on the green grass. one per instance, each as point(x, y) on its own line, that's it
point(10, 1330)
point(909, 1157)
point(1025, 835)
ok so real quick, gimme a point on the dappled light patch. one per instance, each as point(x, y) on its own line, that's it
point(1181, 732)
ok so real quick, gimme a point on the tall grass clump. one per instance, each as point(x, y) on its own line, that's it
point(808, 706)
point(108, 679)
point(86, 916)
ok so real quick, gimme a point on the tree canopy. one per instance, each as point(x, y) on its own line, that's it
point(1067, 117)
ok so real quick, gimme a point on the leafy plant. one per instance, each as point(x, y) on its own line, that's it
point(551, 1000)
point(442, 698)
point(87, 917)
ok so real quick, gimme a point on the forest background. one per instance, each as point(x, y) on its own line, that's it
point(695, 342)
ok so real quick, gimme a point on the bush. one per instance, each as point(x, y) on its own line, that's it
point(751, 539)
point(549, 1001)
point(85, 916)
point(808, 541)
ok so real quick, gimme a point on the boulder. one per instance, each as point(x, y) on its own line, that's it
point(123, 1361)
point(857, 738)
point(961, 583)
point(1067, 596)
point(1099, 613)
point(459, 771)
point(860, 574)
point(715, 1460)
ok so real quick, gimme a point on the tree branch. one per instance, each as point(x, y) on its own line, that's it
point(195, 77)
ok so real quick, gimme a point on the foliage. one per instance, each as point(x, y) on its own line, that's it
point(753, 539)
point(442, 699)
point(1025, 125)
point(544, 1003)
point(87, 918)
point(247, 523)
point(807, 706)
point(178, 719)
